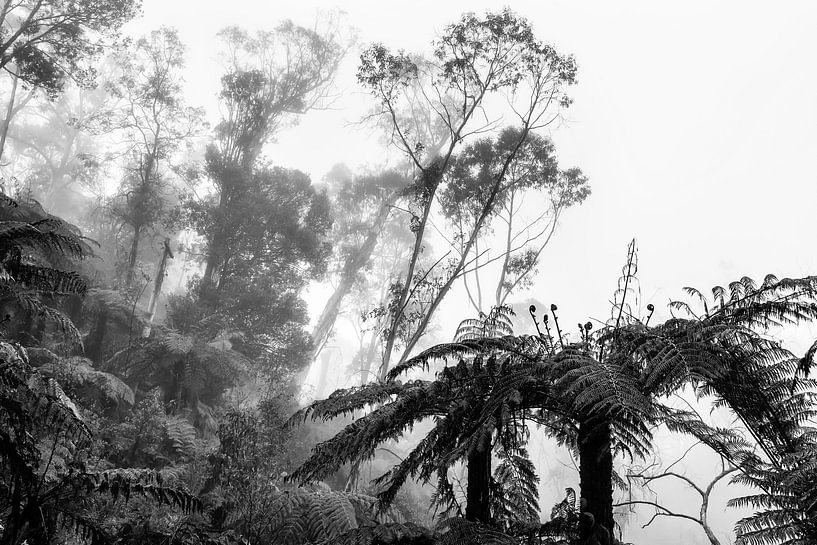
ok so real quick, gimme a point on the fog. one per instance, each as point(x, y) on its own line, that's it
point(683, 159)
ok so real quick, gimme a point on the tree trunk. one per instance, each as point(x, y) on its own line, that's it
point(134, 253)
point(96, 338)
point(477, 507)
point(325, 361)
point(157, 287)
point(454, 275)
point(4, 130)
point(596, 475)
point(366, 362)
point(210, 269)
point(431, 177)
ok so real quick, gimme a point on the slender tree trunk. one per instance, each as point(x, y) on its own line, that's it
point(4, 130)
point(503, 273)
point(477, 507)
point(431, 179)
point(95, 341)
point(325, 360)
point(443, 291)
point(134, 253)
point(212, 263)
point(366, 367)
point(157, 287)
point(596, 475)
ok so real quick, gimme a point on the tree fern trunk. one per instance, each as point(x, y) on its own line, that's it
point(94, 343)
point(479, 482)
point(596, 474)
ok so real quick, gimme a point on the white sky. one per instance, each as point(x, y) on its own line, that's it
point(695, 121)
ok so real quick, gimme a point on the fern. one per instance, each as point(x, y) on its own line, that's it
point(35, 251)
point(616, 378)
point(79, 372)
point(494, 324)
point(515, 500)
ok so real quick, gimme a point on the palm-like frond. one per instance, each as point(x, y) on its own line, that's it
point(497, 323)
point(35, 251)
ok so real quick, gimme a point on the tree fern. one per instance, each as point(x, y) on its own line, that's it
point(599, 394)
point(36, 250)
point(496, 323)
point(41, 433)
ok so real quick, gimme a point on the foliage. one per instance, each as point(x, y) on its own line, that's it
point(60, 154)
point(192, 372)
point(474, 58)
point(35, 249)
point(786, 501)
point(45, 480)
point(50, 41)
point(468, 194)
point(271, 76)
point(155, 123)
point(273, 234)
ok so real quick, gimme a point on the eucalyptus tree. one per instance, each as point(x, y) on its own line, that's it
point(474, 59)
point(527, 209)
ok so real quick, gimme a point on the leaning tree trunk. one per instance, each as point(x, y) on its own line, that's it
point(477, 507)
point(596, 475)
point(349, 275)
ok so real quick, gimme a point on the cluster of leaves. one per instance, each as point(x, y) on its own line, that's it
point(47, 482)
point(49, 42)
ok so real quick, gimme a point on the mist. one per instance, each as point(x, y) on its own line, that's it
point(418, 273)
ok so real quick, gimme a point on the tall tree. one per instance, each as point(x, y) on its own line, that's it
point(474, 58)
point(59, 143)
point(156, 122)
point(278, 243)
point(533, 196)
point(362, 207)
point(272, 77)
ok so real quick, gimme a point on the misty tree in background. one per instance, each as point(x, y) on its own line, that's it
point(271, 78)
point(47, 42)
point(58, 143)
point(643, 478)
point(369, 244)
point(279, 243)
point(533, 176)
point(474, 58)
point(156, 123)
